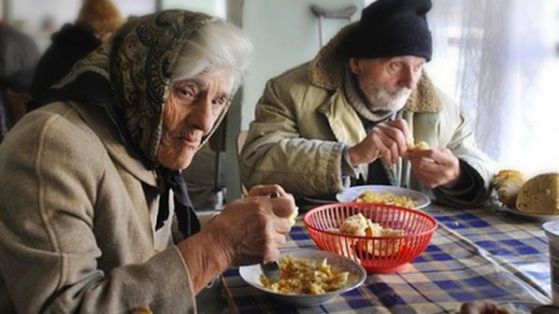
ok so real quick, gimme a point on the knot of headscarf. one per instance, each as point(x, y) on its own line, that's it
point(188, 222)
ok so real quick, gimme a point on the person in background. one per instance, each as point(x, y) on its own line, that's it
point(94, 214)
point(349, 116)
point(96, 21)
point(18, 58)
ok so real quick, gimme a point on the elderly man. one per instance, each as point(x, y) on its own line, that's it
point(350, 115)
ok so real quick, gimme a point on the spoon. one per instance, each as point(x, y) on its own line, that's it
point(271, 271)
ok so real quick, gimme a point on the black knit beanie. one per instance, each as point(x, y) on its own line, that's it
point(390, 28)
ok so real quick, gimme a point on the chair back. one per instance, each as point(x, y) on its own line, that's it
point(240, 142)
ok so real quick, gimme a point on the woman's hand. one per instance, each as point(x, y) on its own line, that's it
point(248, 231)
point(388, 140)
point(253, 229)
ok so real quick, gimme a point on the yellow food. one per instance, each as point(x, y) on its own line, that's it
point(293, 217)
point(540, 195)
point(305, 276)
point(386, 198)
point(358, 225)
point(507, 184)
point(418, 146)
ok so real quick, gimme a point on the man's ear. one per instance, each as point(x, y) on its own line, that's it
point(353, 65)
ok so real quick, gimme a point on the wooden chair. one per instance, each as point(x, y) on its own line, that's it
point(240, 142)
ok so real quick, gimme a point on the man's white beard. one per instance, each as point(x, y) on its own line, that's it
point(390, 100)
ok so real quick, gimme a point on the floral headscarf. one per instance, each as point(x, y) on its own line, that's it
point(129, 76)
point(136, 66)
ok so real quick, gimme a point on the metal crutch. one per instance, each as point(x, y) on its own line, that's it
point(322, 13)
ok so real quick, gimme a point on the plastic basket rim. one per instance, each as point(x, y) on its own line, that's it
point(307, 215)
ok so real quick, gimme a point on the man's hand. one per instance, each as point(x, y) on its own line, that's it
point(481, 307)
point(388, 140)
point(435, 167)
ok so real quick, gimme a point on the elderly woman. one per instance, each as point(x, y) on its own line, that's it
point(91, 199)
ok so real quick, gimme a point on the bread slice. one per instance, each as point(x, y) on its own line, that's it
point(507, 184)
point(540, 195)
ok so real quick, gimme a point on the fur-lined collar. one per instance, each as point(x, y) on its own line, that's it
point(326, 70)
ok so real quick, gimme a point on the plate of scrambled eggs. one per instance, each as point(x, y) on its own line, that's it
point(308, 277)
point(386, 194)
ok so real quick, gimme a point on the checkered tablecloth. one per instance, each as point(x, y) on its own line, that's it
point(474, 254)
point(517, 243)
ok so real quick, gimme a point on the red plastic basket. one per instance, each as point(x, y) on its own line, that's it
point(376, 254)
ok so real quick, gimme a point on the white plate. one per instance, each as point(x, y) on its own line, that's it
point(350, 194)
point(539, 217)
point(357, 274)
point(318, 201)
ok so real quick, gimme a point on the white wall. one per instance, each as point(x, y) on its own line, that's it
point(285, 34)
point(30, 15)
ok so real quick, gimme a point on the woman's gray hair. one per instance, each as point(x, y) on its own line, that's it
point(215, 47)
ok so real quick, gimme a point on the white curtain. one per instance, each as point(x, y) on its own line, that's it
point(499, 60)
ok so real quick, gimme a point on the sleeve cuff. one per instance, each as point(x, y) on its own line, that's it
point(469, 191)
point(347, 169)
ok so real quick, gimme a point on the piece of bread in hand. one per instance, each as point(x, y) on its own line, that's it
point(507, 184)
point(418, 146)
point(540, 195)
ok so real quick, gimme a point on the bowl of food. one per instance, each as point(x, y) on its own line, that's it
point(308, 277)
point(382, 238)
point(386, 194)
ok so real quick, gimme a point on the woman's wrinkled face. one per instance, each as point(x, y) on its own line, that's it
point(387, 83)
point(190, 113)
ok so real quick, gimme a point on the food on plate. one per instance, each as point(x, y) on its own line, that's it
point(507, 184)
point(306, 276)
point(359, 225)
point(386, 198)
point(540, 195)
point(418, 146)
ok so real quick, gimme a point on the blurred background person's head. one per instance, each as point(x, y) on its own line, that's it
point(97, 21)
point(102, 16)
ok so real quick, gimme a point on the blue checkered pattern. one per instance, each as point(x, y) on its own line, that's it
point(474, 254)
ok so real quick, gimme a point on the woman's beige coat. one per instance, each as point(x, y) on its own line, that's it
point(77, 217)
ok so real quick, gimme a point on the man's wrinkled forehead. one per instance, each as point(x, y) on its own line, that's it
point(413, 60)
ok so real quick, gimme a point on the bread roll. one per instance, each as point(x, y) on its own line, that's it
point(507, 184)
point(540, 195)
point(419, 146)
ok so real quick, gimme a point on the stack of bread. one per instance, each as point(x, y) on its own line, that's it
point(538, 195)
point(359, 225)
